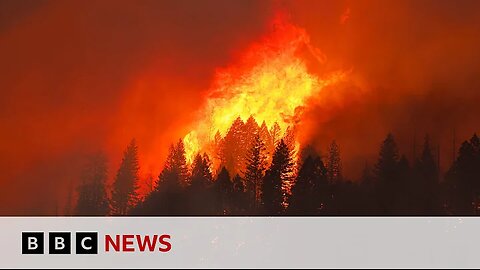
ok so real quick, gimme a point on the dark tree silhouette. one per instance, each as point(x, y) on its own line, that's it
point(424, 190)
point(255, 169)
point(392, 187)
point(310, 192)
point(199, 193)
point(92, 195)
point(233, 153)
point(308, 151)
point(334, 169)
point(239, 201)
point(201, 172)
point(367, 188)
point(169, 197)
point(175, 172)
point(388, 159)
point(400, 189)
point(125, 185)
point(387, 175)
point(150, 181)
point(279, 171)
point(224, 189)
point(463, 185)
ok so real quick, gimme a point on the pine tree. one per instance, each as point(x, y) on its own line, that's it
point(199, 193)
point(255, 169)
point(175, 172)
point(386, 167)
point(250, 131)
point(322, 193)
point(279, 171)
point(400, 189)
point(150, 182)
point(424, 191)
point(289, 138)
point(266, 138)
point(170, 196)
point(427, 164)
point(224, 189)
point(367, 187)
point(462, 179)
point(181, 163)
point(387, 175)
point(201, 172)
point(275, 135)
point(308, 151)
point(238, 201)
point(475, 142)
point(287, 183)
point(218, 148)
point(334, 163)
point(125, 185)
point(92, 195)
point(232, 152)
point(309, 194)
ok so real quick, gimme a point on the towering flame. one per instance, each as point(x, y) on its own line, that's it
point(270, 82)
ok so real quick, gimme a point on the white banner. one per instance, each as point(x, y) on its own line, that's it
point(232, 242)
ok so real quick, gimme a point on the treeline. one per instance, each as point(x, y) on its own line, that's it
point(260, 174)
point(92, 192)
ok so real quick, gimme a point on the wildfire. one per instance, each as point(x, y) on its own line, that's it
point(271, 83)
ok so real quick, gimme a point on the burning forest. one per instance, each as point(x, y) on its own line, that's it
point(244, 157)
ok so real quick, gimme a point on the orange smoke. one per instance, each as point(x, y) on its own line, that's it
point(270, 82)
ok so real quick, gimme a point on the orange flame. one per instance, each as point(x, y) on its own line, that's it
point(270, 83)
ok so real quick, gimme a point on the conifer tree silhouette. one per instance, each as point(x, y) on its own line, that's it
point(275, 136)
point(199, 195)
point(169, 197)
point(250, 131)
point(309, 193)
point(219, 147)
point(425, 190)
point(175, 172)
point(267, 139)
point(279, 171)
point(463, 187)
point(92, 196)
point(201, 172)
point(233, 147)
point(125, 185)
point(255, 169)
point(224, 190)
point(392, 187)
point(400, 188)
point(387, 175)
point(367, 188)
point(334, 163)
point(239, 201)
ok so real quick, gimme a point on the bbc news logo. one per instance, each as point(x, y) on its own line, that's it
point(87, 243)
point(59, 243)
